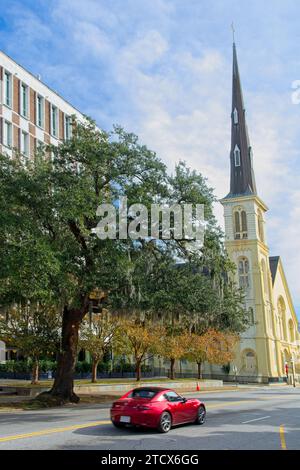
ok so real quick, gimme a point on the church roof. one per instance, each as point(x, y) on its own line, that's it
point(274, 263)
point(242, 180)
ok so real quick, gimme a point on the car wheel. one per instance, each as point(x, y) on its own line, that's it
point(201, 415)
point(165, 422)
point(118, 425)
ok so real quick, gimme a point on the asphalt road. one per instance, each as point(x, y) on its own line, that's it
point(257, 418)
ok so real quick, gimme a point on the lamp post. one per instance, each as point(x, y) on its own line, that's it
point(293, 371)
point(234, 370)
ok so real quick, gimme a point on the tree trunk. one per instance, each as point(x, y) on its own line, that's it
point(199, 364)
point(63, 383)
point(138, 371)
point(94, 371)
point(35, 372)
point(172, 369)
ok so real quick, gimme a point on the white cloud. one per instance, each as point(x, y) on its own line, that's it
point(162, 71)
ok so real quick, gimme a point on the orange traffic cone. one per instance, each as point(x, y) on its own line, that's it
point(198, 387)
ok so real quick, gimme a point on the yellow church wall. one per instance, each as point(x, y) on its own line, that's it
point(262, 337)
point(288, 345)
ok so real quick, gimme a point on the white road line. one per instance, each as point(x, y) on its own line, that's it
point(256, 419)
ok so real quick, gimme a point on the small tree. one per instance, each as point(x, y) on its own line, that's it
point(214, 346)
point(34, 330)
point(141, 340)
point(173, 347)
point(97, 336)
point(196, 351)
point(221, 346)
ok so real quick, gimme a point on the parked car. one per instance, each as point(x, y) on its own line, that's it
point(156, 407)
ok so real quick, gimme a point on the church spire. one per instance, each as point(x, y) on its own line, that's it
point(242, 181)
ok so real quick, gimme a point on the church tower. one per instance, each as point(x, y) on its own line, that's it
point(259, 350)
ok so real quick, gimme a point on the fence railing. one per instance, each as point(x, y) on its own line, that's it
point(152, 372)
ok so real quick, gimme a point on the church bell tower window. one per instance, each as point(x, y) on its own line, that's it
point(240, 224)
point(243, 268)
point(235, 116)
point(237, 156)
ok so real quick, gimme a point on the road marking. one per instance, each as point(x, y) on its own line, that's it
point(96, 423)
point(100, 423)
point(230, 403)
point(282, 437)
point(256, 419)
point(54, 430)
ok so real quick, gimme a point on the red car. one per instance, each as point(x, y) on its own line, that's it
point(156, 407)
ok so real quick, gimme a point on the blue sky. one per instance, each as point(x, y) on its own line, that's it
point(162, 69)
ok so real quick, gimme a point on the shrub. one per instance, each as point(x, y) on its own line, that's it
point(83, 367)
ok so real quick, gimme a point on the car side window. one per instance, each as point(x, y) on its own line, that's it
point(172, 396)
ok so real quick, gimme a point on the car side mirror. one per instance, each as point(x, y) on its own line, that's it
point(184, 400)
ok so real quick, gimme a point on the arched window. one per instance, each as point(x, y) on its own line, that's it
point(243, 270)
point(249, 361)
point(260, 226)
point(240, 224)
point(235, 116)
point(244, 221)
point(282, 318)
point(237, 156)
point(292, 331)
point(251, 316)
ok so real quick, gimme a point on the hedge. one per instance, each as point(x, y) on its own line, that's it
point(82, 367)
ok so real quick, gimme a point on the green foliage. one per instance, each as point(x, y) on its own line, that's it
point(32, 329)
point(97, 336)
point(47, 213)
point(25, 367)
point(83, 367)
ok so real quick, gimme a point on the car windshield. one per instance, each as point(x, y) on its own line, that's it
point(142, 393)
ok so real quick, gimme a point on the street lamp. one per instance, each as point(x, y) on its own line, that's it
point(234, 370)
point(293, 371)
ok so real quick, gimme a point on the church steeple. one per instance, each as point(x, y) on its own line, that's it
point(242, 180)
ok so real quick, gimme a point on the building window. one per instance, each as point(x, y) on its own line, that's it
point(237, 156)
point(240, 224)
point(54, 120)
point(7, 134)
point(282, 318)
point(68, 127)
point(235, 116)
point(24, 100)
point(25, 144)
point(8, 89)
point(251, 316)
point(40, 111)
point(243, 268)
point(249, 361)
